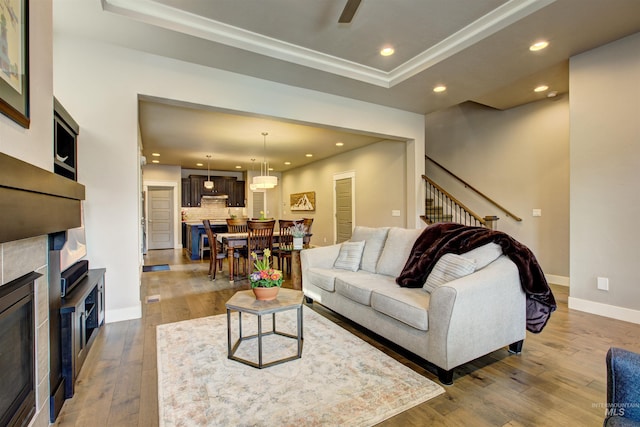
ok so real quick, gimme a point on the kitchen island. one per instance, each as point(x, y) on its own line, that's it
point(194, 229)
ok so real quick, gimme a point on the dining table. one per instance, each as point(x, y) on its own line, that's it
point(233, 241)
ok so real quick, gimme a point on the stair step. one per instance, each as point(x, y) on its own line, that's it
point(439, 218)
point(433, 210)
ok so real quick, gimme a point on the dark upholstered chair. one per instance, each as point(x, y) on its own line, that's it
point(623, 388)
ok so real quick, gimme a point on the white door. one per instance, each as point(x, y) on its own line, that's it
point(160, 216)
point(344, 214)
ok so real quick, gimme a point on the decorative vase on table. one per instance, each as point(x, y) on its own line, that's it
point(298, 231)
point(265, 281)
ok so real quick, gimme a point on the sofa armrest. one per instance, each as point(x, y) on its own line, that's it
point(477, 314)
point(320, 257)
point(623, 384)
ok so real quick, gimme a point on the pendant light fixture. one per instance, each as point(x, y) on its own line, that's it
point(208, 184)
point(265, 181)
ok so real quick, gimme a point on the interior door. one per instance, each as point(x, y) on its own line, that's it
point(160, 216)
point(344, 213)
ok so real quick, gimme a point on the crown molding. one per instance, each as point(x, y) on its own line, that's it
point(160, 15)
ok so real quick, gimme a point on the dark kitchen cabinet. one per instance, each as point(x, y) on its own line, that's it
point(186, 192)
point(197, 186)
point(237, 195)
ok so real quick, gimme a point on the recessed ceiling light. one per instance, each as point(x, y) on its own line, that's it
point(387, 51)
point(538, 45)
point(339, 144)
point(155, 154)
point(199, 164)
point(238, 167)
point(155, 161)
point(308, 155)
point(270, 169)
point(287, 163)
point(439, 88)
point(541, 88)
point(552, 94)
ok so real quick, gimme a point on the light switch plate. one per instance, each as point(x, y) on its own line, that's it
point(603, 283)
point(395, 212)
point(537, 212)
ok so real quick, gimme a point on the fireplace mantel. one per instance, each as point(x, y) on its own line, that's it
point(35, 202)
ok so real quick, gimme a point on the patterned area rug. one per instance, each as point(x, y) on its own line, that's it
point(339, 381)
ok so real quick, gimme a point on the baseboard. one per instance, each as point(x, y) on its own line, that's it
point(606, 310)
point(557, 280)
point(121, 314)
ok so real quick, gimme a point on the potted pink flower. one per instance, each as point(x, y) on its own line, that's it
point(265, 280)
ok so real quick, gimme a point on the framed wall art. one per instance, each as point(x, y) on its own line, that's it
point(14, 60)
point(303, 201)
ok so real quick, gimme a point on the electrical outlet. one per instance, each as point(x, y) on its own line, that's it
point(395, 212)
point(603, 283)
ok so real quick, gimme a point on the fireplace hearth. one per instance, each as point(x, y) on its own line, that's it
point(17, 358)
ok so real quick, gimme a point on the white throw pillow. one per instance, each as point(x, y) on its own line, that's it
point(396, 250)
point(484, 255)
point(374, 238)
point(349, 256)
point(449, 267)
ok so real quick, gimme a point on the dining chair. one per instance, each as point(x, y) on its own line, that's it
point(308, 222)
point(285, 243)
point(260, 237)
point(217, 254)
point(238, 225)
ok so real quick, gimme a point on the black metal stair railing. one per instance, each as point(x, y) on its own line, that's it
point(443, 207)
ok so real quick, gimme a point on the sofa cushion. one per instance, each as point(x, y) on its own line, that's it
point(323, 278)
point(396, 250)
point(449, 267)
point(374, 242)
point(484, 255)
point(358, 286)
point(349, 256)
point(408, 305)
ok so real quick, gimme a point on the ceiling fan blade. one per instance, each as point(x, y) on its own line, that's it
point(349, 11)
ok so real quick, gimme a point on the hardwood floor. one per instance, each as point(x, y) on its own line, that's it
point(559, 379)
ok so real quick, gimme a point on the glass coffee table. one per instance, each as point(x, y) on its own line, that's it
point(245, 302)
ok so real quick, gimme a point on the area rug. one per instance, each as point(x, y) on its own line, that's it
point(339, 381)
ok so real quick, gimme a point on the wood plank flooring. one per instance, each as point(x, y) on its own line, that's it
point(559, 379)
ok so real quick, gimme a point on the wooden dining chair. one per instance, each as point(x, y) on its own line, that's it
point(285, 241)
point(308, 222)
point(217, 254)
point(260, 237)
point(238, 225)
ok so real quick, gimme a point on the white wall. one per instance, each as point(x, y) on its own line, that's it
point(605, 172)
point(102, 95)
point(165, 176)
point(519, 158)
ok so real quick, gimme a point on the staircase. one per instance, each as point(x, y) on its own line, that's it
point(434, 213)
point(441, 206)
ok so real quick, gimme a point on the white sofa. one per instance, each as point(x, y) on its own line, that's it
point(456, 322)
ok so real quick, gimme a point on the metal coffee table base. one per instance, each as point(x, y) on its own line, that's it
point(232, 350)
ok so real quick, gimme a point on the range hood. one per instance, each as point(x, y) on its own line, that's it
point(215, 196)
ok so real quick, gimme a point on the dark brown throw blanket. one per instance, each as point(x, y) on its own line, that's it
point(439, 239)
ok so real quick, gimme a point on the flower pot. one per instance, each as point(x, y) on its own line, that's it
point(297, 242)
point(266, 294)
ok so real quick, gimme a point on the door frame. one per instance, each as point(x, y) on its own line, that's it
point(336, 177)
point(177, 233)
